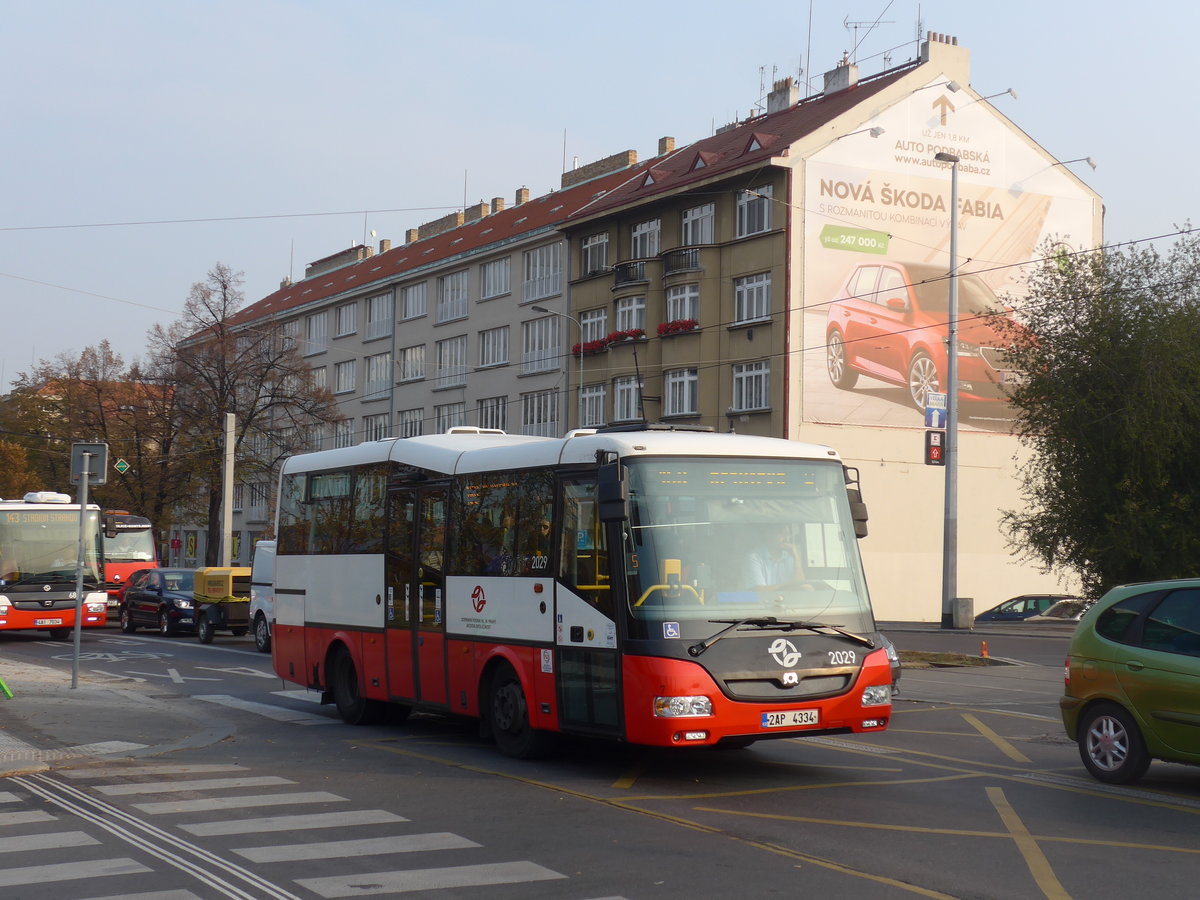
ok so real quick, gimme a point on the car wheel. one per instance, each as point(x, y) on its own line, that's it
point(837, 362)
point(1111, 745)
point(508, 714)
point(352, 706)
point(127, 623)
point(165, 627)
point(262, 634)
point(922, 379)
point(205, 630)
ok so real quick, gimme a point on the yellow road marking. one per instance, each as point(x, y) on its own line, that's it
point(1003, 745)
point(1039, 866)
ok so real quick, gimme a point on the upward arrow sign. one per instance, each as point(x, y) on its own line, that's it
point(943, 105)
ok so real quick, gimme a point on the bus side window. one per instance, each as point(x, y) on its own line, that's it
point(583, 562)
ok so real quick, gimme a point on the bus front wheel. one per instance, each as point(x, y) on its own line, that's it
point(352, 706)
point(508, 714)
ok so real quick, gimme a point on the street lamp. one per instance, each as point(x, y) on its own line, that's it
point(542, 309)
point(950, 527)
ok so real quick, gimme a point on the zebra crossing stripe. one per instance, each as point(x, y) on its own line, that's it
point(409, 880)
point(293, 823)
point(411, 843)
point(96, 868)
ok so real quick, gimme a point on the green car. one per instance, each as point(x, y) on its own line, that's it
point(1133, 680)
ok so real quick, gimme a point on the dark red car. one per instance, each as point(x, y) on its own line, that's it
point(890, 321)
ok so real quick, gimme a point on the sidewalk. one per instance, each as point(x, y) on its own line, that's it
point(47, 721)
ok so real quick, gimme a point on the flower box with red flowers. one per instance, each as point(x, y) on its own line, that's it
point(677, 326)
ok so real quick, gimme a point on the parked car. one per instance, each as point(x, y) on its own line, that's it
point(159, 598)
point(262, 594)
point(1133, 680)
point(890, 321)
point(1063, 612)
point(1018, 609)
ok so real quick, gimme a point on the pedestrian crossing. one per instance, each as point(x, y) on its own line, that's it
point(188, 832)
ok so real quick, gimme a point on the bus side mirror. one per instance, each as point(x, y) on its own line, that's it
point(110, 527)
point(612, 492)
point(858, 509)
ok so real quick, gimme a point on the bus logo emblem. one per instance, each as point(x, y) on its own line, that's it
point(791, 678)
point(784, 652)
point(477, 599)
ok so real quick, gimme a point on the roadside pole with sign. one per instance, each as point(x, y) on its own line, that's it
point(935, 422)
point(89, 464)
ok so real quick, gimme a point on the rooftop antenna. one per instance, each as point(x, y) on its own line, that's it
point(808, 53)
point(868, 28)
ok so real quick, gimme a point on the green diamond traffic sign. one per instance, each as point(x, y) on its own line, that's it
point(121, 466)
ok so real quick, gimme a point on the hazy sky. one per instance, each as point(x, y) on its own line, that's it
point(146, 141)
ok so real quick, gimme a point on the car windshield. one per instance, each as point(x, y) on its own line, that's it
point(179, 581)
point(932, 288)
point(712, 539)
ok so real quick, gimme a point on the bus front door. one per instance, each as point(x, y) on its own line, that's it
point(416, 618)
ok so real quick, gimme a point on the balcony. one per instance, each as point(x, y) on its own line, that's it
point(685, 259)
point(629, 272)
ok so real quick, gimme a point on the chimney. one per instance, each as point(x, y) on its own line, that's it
point(385, 245)
point(522, 196)
point(497, 204)
point(843, 77)
point(476, 212)
point(410, 236)
point(613, 163)
point(665, 145)
point(286, 283)
point(784, 95)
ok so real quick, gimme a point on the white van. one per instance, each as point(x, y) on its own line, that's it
point(262, 594)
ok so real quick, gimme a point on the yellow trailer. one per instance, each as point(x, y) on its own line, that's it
point(222, 601)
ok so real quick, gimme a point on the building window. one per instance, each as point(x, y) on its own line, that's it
point(593, 324)
point(412, 301)
point(449, 415)
point(289, 334)
point(543, 272)
point(493, 346)
point(343, 433)
point(345, 319)
point(681, 392)
point(493, 412)
point(595, 253)
point(411, 363)
point(494, 278)
point(698, 224)
point(627, 397)
point(316, 333)
point(593, 406)
point(539, 345)
point(320, 378)
point(408, 422)
point(752, 298)
point(239, 496)
point(631, 313)
point(344, 377)
point(539, 413)
point(683, 302)
point(452, 362)
point(380, 312)
point(452, 296)
point(646, 237)
point(376, 428)
point(752, 386)
point(379, 376)
point(754, 211)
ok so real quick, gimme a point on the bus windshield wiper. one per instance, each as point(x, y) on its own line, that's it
point(771, 622)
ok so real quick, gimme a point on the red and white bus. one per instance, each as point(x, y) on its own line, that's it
point(39, 549)
point(128, 548)
point(602, 584)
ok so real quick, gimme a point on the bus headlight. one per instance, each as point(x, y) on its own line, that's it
point(877, 695)
point(682, 707)
point(3, 605)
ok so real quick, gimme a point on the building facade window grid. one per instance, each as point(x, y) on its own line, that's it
point(343, 433)
point(543, 272)
point(449, 415)
point(593, 405)
point(683, 302)
point(627, 396)
point(752, 298)
point(754, 210)
point(493, 346)
point(593, 324)
point(752, 386)
point(698, 224)
point(646, 238)
point(378, 376)
point(344, 375)
point(316, 333)
point(381, 312)
point(539, 345)
point(452, 296)
point(413, 301)
point(494, 278)
point(409, 422)
point(376, 427)
point(539, 413)
point(631, 313)
point(681, 392)
point(493, 412)
point(410, 363)
point(595, 253)
point(345, 319)
point(289, 334)
point(452, 362)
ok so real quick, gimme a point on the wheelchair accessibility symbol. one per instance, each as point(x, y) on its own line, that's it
point(670, 629)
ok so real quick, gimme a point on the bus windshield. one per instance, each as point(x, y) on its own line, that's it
point(41, 546)
point(712, 539)
point(130, 546)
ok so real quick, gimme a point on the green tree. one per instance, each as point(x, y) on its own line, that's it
point(1110, 345)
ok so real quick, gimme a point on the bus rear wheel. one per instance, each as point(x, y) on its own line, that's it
point(508, 715)
point(352, 706)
